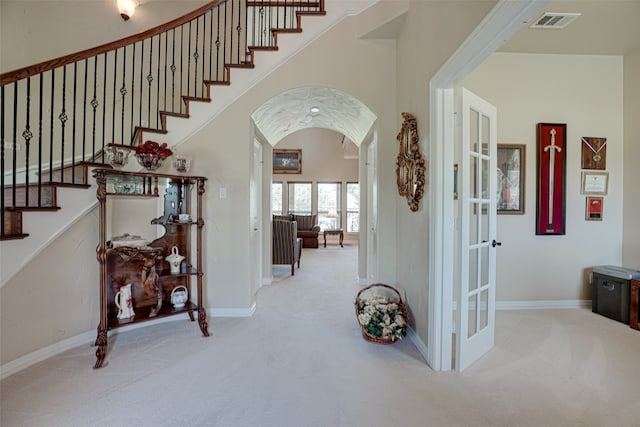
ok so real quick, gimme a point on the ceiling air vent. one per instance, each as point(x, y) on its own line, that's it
point(555, 20)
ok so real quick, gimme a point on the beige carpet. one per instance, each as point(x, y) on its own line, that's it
point(300, 361)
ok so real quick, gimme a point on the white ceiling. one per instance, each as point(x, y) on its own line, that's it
point(606, 27)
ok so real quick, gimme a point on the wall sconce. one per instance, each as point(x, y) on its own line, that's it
point(126, 8)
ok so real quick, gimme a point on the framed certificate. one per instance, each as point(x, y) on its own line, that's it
point(595, 183)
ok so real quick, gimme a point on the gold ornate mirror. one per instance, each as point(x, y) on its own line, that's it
point(410, 169)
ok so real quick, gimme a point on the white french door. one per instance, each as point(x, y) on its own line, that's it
point(475, 312)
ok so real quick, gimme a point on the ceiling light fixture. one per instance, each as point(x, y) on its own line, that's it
point(314, 110)
point(126, 8)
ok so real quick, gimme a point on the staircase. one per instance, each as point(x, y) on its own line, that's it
point(59, 117)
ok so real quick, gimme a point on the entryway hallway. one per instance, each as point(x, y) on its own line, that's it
point(300, 361)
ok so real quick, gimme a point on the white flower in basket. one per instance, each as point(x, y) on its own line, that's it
point(382, 320)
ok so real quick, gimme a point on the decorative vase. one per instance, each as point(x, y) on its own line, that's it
point(174, 260)
point(117, 156)
point(182, 163)
point(150, 161)
point(123, 302)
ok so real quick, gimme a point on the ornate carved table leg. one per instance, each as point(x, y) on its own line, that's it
point(202, 321)
point(191, 317)
point(101, 344)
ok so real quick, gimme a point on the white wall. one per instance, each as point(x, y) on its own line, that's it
point(631, 238)
point(425, 42)
point(586, 93)
point(51, 29)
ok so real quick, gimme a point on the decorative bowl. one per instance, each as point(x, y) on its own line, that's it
point(150, 161)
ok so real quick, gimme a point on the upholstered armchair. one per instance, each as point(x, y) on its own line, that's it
point(308, 229)
point(287, 246)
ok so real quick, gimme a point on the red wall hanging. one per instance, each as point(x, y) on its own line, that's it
point(552, 160)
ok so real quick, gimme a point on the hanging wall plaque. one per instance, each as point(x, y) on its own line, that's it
point(552, 160)
point(594, 153)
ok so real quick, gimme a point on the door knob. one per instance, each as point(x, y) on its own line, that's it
point(494, 243)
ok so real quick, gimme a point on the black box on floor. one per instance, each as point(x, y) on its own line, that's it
point(610, 291)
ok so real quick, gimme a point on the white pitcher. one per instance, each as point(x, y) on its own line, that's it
point(124, 304)
point(174, 260)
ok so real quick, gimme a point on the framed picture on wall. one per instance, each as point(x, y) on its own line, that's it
point(593, 210)
point(287, 161)
point(511, 177)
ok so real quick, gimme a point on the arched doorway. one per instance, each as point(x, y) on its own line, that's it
point(316, 107)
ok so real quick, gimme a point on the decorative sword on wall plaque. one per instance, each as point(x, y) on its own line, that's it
point(551, 197)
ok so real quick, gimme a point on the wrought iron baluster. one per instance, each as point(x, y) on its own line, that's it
point(173, 71)
point(224, 41)
point(133, 91)
point(150, 81)
point(195, 59)
point(157, 103)
point(104, 102)
point(63, 120)
point(166, 61)
point(141, 77)
point(239, 30)
point(14, 165)
point(27, 135)
point(180, 75)
point(113, 104)
point(204, 51)
point(73, 127)
point(218, 47)
point(53, 86)
point(189, 62)
point(94, 105)
point(123, 92)
point(84, 108)
point(231, 49)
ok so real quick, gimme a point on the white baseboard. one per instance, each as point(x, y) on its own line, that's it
point(267, 281)
point(89, 337)
point(232, 312)
point(421, 346)
point(542, 305)
point(362, 281)
point(37, 356)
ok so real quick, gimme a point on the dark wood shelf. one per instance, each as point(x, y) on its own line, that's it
point(142, 314)
point(144, 271)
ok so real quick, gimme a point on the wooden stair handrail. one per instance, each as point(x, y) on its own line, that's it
point(32, 70)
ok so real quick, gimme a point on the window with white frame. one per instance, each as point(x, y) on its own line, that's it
point(299, 195)
point(277, 198)
point(353, 207)
point(329, 213)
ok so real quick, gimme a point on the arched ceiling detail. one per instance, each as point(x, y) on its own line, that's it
point(291, 111)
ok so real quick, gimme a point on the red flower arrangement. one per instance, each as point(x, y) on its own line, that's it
point(152, 147)
point(151, 154)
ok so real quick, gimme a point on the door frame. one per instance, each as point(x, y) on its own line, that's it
point(502, 22)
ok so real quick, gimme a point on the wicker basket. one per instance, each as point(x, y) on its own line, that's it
point(402, 309)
